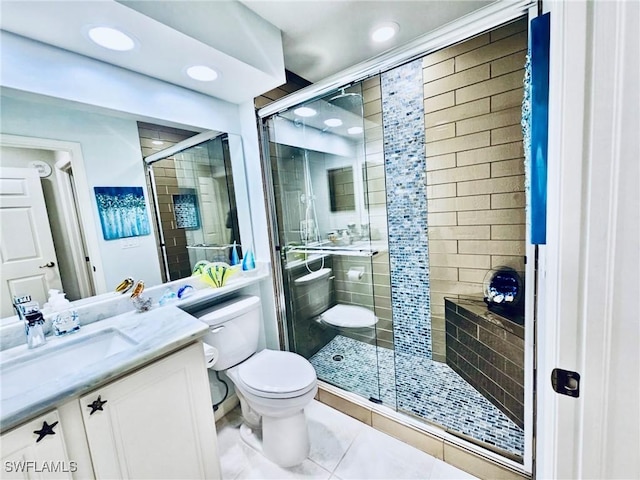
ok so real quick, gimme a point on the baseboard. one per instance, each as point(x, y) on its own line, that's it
point(225, 407)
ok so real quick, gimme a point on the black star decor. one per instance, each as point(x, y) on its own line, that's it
point(45, 430)
point(96, 405)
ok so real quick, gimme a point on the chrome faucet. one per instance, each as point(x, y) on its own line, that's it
point(29, 312)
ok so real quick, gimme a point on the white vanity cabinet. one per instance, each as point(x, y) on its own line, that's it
point(26, 454)
point(154, 423)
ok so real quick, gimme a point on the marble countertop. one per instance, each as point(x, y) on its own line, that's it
point(156, 333)
point(99, 308)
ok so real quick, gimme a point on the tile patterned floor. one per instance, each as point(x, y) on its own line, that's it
point(342, 448)
point(419, 386)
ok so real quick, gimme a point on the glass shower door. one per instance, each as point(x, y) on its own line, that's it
point(319, 170)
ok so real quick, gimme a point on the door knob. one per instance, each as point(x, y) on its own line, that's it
point(48, 265)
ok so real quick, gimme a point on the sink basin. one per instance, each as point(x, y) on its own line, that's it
point(58, 360)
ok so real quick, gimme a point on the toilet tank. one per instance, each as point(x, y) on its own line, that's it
point(234, 329)
point(313, 291)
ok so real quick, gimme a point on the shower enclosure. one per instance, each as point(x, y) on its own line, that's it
point(404, 200)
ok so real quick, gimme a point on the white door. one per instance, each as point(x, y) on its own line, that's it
point(213, 215)
point(589, 295)
point(27, 255)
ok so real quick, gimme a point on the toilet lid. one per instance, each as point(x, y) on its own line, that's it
point(349, 316)
point(276, 374)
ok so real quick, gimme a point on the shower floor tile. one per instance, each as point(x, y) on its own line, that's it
point(424, 388)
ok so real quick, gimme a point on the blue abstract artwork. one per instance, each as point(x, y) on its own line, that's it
point(123, 212)
point(185, 209)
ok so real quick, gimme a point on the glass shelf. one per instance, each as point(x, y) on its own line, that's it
point(203, 246)
point(348, 251)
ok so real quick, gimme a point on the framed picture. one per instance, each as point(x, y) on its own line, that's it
point(186, 211)
point(123, 212)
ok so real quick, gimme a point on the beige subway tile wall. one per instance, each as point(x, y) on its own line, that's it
point(475, 164)
point(293, 83)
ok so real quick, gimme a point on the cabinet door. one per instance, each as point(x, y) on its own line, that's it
point(155, 423)
point(26, 454)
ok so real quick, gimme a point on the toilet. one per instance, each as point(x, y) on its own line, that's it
point(273, 386)
point(347, 319)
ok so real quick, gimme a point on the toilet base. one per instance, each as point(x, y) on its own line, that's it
point(285, 441)
point(252, 437)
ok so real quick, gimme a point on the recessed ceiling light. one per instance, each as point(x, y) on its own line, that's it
point(111, 38)
point(157, 142)
point(385, 31)
point(305, 112)
point(202, 73)
point(333, 122)
point(354, 130)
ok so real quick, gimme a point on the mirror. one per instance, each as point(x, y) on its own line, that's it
point(88, 147)
point(341, 194)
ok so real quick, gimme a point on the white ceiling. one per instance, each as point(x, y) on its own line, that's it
point(319, 37)
point(323, 37)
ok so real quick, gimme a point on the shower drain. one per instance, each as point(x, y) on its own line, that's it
point(338, 358)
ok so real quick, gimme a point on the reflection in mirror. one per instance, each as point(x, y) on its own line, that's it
point(341, 194)
point(196, 213)
point(85, 148)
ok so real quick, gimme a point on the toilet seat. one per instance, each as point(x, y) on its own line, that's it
point(349, 316)
point(276, 374)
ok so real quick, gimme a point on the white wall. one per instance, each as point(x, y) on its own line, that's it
point(589, 294)
point(112, 157)
point(34, 67)
point(257, 228)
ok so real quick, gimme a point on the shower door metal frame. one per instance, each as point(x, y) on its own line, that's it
point(274, 235)
point(277, 249)
point(461, 29)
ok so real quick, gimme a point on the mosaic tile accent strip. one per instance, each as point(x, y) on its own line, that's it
point(405, 167)
point(431, 390)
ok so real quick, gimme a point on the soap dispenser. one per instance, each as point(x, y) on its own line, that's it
point(65, 319)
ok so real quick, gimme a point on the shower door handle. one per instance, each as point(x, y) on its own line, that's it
point(565, 382)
